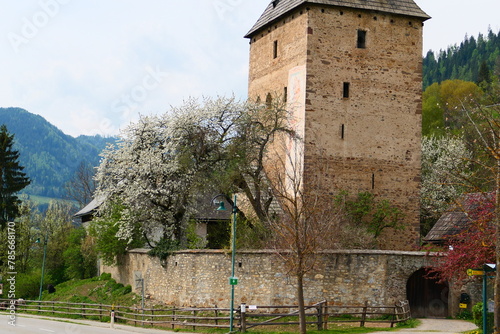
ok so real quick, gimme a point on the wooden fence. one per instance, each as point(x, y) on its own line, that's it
point(245, 317)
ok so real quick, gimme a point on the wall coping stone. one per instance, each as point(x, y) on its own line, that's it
point(271, 251)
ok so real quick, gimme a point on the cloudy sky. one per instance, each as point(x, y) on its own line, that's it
point(91, 66)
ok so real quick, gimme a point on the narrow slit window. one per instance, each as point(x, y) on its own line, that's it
point(342, 131)
point(275, 49)
point(361, 39)
point(373, 181)
point(269, 101)
point(345, 91)
point(285, 94)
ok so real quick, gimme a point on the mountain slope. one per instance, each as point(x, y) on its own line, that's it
point(49, 156)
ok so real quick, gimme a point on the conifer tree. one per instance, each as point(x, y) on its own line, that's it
point(12, 177)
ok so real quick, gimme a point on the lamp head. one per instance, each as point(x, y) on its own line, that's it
point(222, 206)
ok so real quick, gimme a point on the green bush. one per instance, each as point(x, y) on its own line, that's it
point(465, 315)
point(105, 276)
point(477, 313)
point(28, 285)
point(164, 248)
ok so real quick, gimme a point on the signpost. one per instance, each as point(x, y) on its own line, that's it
point(487, 268)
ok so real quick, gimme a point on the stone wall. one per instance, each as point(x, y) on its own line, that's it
point(369, 138)
point(200, 277)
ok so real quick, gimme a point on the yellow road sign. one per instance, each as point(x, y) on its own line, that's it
point(474, 272)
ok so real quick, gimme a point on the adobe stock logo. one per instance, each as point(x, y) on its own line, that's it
point(31, 26)
point(130, 101)
point(224, 6)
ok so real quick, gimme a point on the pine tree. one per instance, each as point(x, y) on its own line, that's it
point(12, 178)
point(484, 73)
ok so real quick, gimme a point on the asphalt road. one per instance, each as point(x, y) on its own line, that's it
point(29, 325)
point(37, 325)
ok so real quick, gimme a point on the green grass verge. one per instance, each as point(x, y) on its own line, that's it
point(97, 290)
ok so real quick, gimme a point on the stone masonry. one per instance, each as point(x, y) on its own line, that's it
point(352, 77)
point(200, 277)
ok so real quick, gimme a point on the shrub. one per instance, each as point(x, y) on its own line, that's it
point(465, 315)
point(105, 276)
point(477, 313)
point(28, 285)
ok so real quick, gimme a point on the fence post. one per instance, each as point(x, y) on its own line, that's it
point(363, 316)
point(216, 315)
point(325, 316)
point(243, 320)
point(393, 317)
point(152, 315)
point(194, 319)
point(113, 316)
point(319, 313)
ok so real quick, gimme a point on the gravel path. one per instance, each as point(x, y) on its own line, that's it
point(438, 326)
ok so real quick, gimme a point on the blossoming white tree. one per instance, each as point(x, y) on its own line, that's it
point(162, 164)
point(445, 171)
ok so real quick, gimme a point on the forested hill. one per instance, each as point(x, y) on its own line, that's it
point(49, 156)
point(473, 60)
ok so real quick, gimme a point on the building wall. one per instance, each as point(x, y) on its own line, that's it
point(369, 141)
point(200, 277)
point(269, 75)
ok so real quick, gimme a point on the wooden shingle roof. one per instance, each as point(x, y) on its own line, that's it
point(457, 218)
point(277, 8)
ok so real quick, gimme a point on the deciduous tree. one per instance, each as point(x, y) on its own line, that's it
point(473, 246)
point(82, 185)
point(163, 163)
point(308, 220)
point(446, 169)
point(483, 128)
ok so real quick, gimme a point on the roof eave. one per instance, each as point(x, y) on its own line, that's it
point(257, 27)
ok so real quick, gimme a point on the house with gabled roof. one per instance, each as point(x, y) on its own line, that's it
point(458, 217)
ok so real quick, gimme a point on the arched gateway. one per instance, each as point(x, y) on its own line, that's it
point(427, 297)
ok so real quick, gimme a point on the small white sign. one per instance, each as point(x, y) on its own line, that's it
point(491, 306)
point(252, 307)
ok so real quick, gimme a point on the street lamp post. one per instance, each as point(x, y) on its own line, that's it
point(43, 263)
point(232, 280)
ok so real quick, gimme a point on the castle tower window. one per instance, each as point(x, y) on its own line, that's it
point(269, 101)
point(373, 181)
point(361, 39)
point(275, 49)
point(285, 94)
point(345, 91)
point(342, 131)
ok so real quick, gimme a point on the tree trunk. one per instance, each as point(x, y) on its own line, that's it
point(496, 314)
point(300, 297)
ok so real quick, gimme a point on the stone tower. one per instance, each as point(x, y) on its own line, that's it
point(351, 72)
